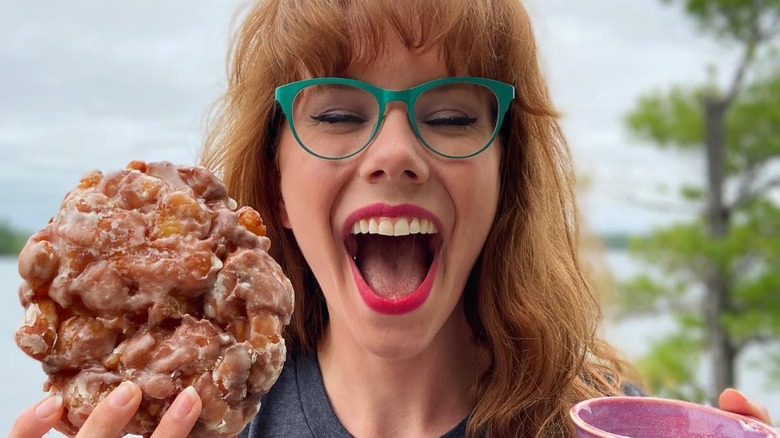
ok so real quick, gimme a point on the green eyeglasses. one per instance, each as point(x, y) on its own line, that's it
point(336, 118)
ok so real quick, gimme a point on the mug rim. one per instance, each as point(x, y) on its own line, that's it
point(582, 424)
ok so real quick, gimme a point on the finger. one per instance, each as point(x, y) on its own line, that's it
point(734, 401)
point(112, 414)
point(181, 416)
point(39, 419)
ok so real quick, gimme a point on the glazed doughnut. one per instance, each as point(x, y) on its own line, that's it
point(150, 274)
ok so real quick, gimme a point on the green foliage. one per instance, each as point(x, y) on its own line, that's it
point(675, 119)
point(683, 256)
point(738, 20)
point(683, 250)
point(692, 193)
point(756, 291)
point(615, 240)
point(671, 367)
point(669, 119)
point(753, 130)
point(644, 294)
point(11, 241)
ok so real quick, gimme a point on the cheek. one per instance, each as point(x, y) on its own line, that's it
point(491, 175)
point(308, 189)
point(295, 167)
point(298, 184)
point(481, 193)
point(478, 187)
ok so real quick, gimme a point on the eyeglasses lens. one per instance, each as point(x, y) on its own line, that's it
point(337, 120)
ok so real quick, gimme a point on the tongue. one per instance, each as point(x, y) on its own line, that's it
point(393, 266)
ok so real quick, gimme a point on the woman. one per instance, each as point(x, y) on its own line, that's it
point(418, 193)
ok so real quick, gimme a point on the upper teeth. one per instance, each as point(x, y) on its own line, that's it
point(399, 226)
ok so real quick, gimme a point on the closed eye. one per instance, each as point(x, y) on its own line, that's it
point(452, 121)
point(337, 117)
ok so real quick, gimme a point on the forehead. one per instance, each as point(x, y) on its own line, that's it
point(350, 36)
point(399, 65)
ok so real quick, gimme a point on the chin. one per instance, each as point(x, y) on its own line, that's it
point(401, 337)
point(395, 344)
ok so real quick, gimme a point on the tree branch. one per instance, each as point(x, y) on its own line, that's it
point(768, 185)
point(744, 193)
point(747, 195)
point(757, 35)
point(739, 75)
point(758, 338)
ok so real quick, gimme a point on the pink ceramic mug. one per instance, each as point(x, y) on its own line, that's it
point(649, 417)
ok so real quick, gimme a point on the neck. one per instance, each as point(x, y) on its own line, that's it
point(425, 395)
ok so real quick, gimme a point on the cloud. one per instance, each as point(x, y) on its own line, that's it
point(95, 58)
point(600, 56)
point(89, 84)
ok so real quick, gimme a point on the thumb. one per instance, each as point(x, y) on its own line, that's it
point(39, 419)
point(734, 401)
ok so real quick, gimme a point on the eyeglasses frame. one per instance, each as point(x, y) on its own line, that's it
point(504, 93)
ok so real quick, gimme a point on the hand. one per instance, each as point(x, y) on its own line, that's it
point(111, 415)
point(733, 401)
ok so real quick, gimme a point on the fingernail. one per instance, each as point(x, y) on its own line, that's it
point(48, 406)
point(184, 403)
point(122, 394)
point(738, 393)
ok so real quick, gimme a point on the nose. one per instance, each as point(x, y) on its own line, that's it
point(396, 153)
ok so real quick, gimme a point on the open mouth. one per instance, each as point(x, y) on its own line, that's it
point(393, 255)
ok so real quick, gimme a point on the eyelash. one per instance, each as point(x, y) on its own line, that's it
point(452, 121)
point(334, 118)
point(337, 118)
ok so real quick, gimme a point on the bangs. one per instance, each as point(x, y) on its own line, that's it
point(324, 38)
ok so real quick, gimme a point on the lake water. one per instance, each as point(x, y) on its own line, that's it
point(23, 377)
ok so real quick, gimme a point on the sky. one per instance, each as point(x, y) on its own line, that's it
point(88, 84)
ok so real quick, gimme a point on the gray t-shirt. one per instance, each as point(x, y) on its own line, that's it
point(297, 406)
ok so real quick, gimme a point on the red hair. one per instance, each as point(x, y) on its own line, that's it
point(526, 299)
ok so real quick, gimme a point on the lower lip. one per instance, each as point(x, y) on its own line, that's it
point(394, 306)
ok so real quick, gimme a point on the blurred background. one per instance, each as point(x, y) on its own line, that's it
point(681, 246)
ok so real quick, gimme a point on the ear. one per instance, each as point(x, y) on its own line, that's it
point(283, 218)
